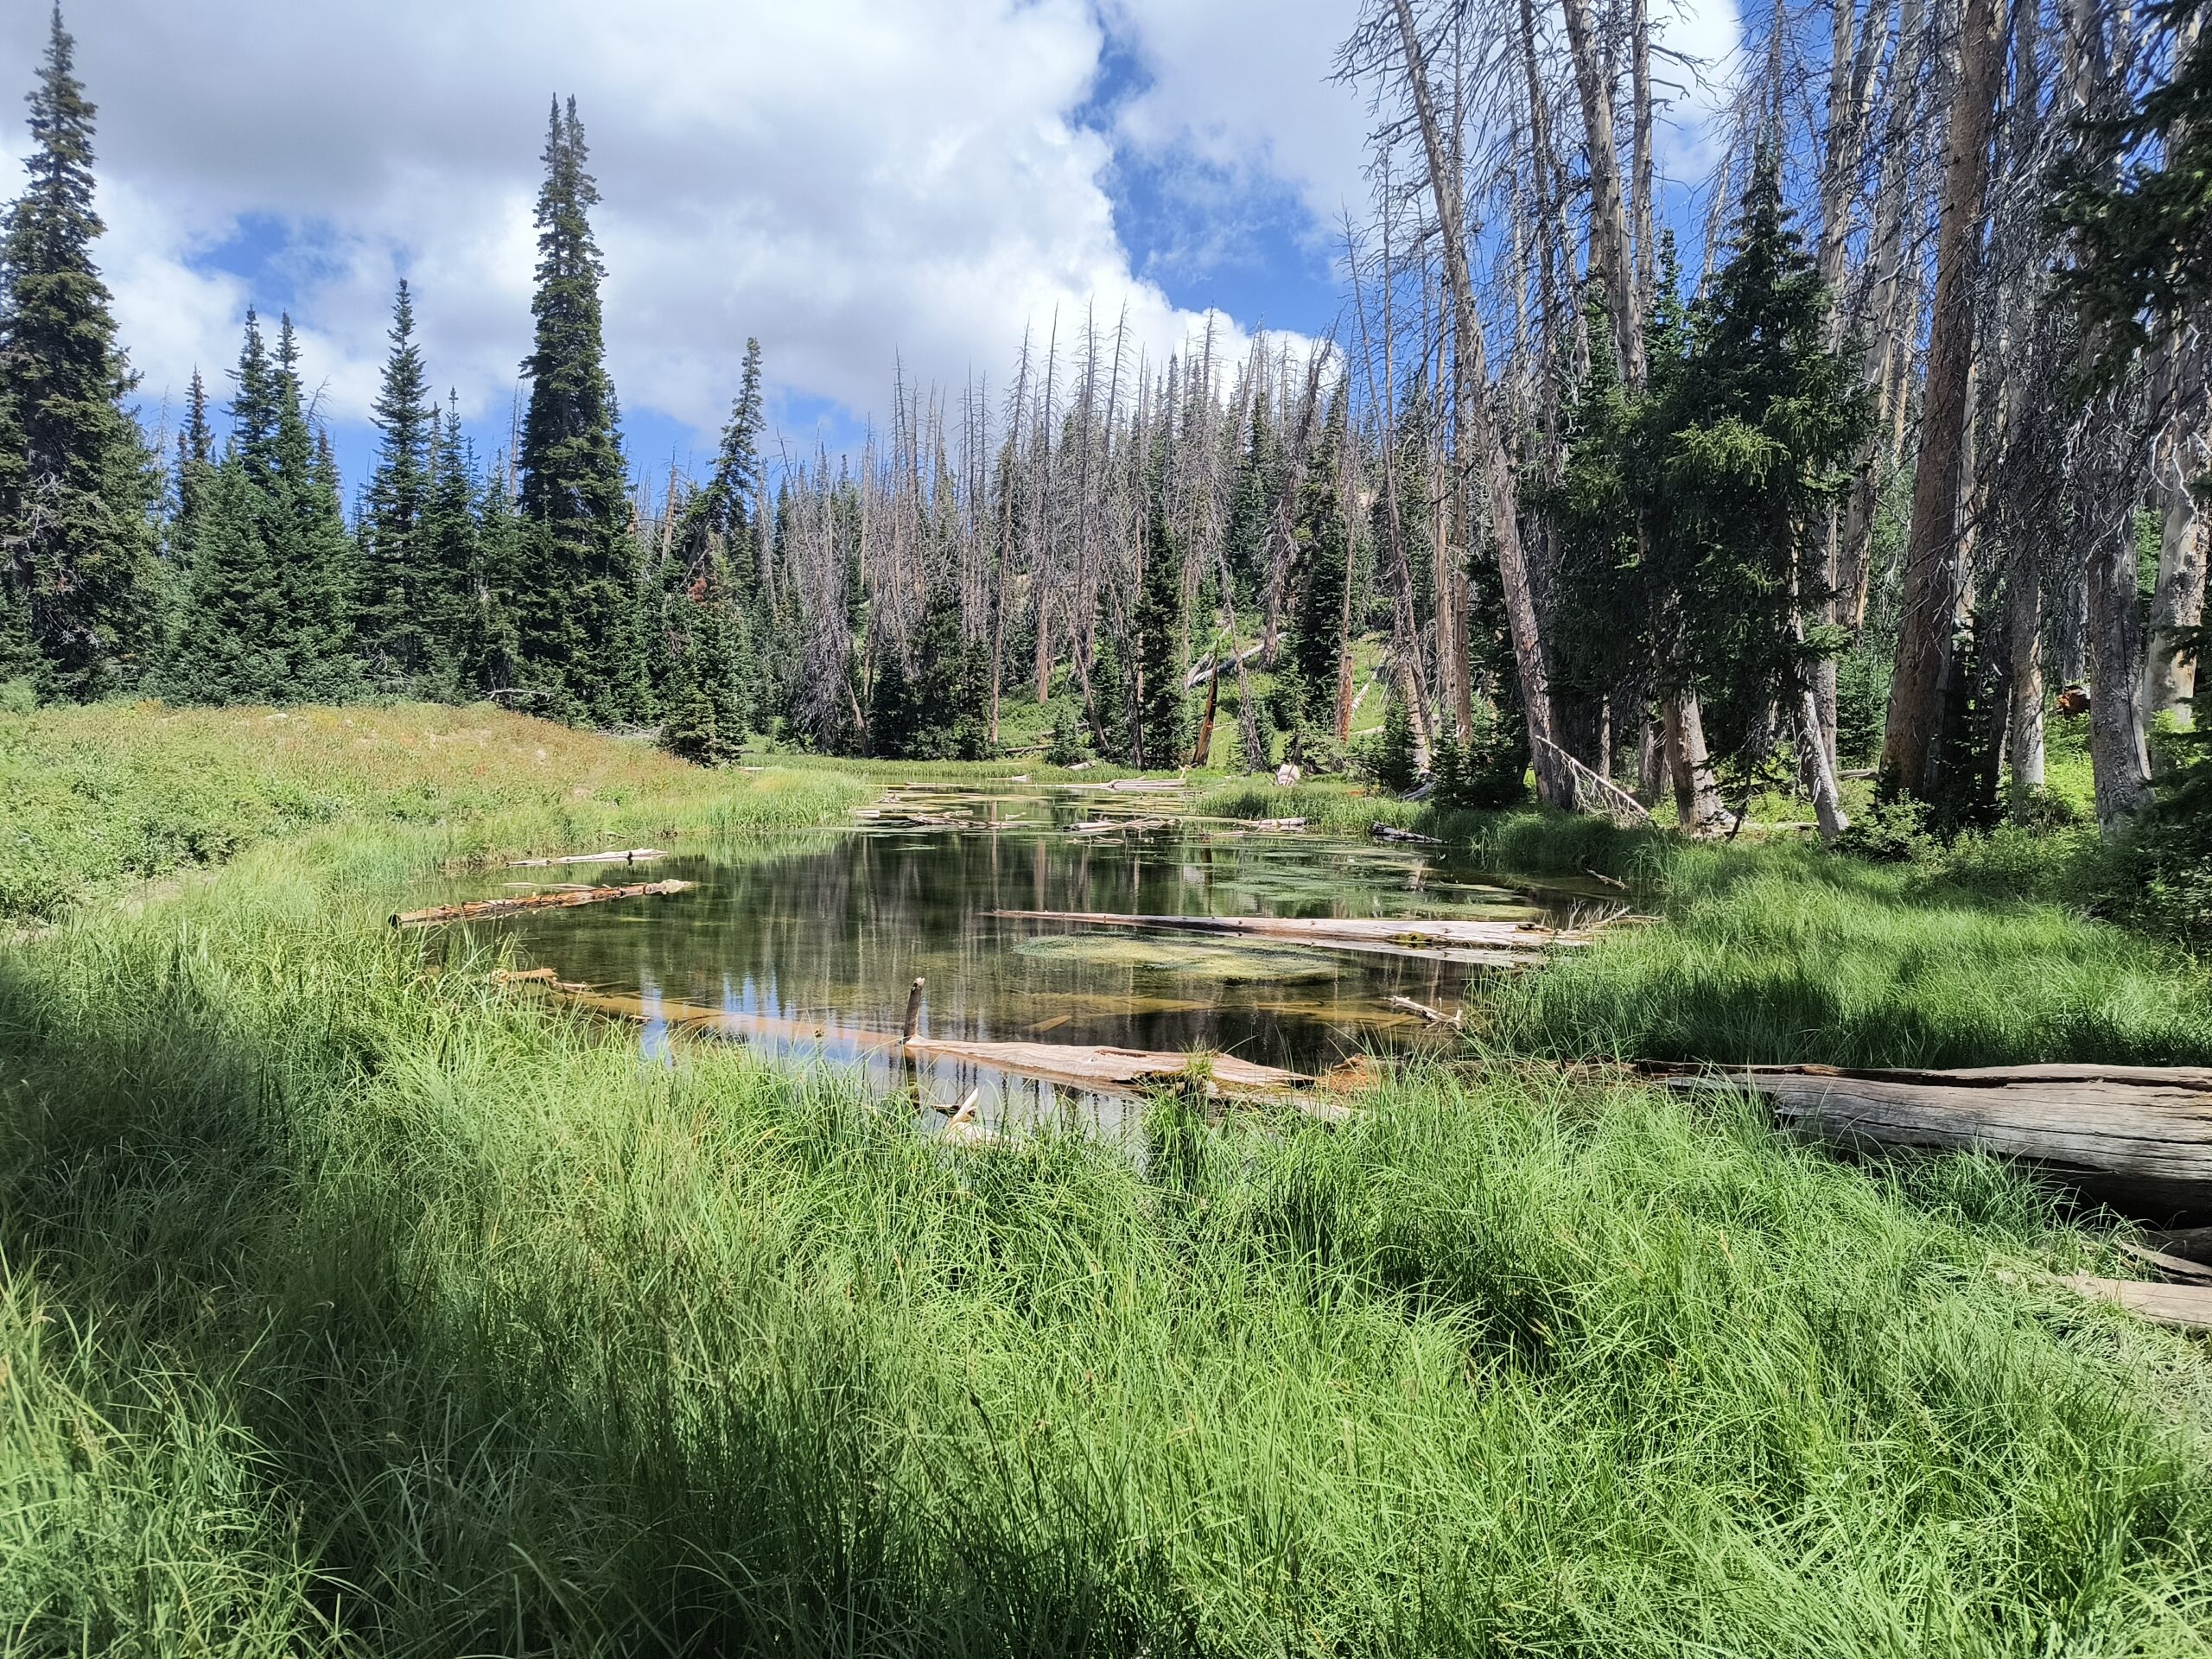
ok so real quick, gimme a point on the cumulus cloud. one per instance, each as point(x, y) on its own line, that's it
point(849, 179)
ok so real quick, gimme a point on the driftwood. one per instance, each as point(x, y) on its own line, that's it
point(1108, 826)
point(1275, 826)
point(1391, 832)
point(2139, 1137)
point(1483, 944)
point(1144, 785)
point(485, 908)
point(636, 854)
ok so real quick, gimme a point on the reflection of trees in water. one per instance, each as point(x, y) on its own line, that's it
point(839, 932)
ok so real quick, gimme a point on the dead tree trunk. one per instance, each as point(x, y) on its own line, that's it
point(1910, 749)
point(1555, 783)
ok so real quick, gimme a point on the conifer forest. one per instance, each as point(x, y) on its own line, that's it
point(1523, 969)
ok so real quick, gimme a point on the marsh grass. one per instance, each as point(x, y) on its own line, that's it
point(350, 1304)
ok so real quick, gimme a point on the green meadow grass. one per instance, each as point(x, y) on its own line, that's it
point(351, 1304)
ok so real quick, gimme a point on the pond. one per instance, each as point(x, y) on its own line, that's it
point(806, 946)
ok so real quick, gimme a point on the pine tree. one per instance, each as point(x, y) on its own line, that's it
point(195, 463)
point(396, 617)
point(1743, 441)
point(449, 563)
point(307, 543)
point(1163, 725)
point(78, 487)
point(502, 573)
point(577, 609)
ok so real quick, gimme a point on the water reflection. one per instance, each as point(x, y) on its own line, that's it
point(807, 948)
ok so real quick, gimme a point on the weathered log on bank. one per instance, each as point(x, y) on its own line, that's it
point(1484, 943)
point(2137, 1137)
point(485, 908)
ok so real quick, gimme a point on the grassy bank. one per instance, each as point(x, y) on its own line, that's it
point(350, 1305)
point(1775, 949)
point(94, 801)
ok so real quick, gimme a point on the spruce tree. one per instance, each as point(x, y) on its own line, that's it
point(398, 624)
point(78, 487)
point(449, 559)
point(307, 542)
point(577, 609)
point(1162, 732)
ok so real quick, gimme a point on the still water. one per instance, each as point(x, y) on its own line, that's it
point(806, 947)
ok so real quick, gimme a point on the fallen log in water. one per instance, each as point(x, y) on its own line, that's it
point(1123, 1070)
point(1108, 826)
point(1484, 943)
point(2139, 1137)
point(636, 854)
point(1411, 838)
point(484, 908)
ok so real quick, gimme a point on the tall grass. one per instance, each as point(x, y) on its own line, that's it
point(93, 799)
point(351, 1305)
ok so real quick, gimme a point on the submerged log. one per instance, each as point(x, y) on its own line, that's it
point(635, 855)
point(1117, 1070)
point(484, 908)
point(2139, 1137)
point(1434, 1016)
point(1483, 944)
point(1390, 832)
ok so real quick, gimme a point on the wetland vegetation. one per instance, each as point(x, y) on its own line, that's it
point(353, 1303)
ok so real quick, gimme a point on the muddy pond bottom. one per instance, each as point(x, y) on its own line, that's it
point(805, 947)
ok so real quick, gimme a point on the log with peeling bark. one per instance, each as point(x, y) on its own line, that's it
point(2139, 1137)
point(635, 855)
point(1486, 943)
point(484, 909)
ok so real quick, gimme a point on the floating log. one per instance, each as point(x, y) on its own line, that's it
point(1144, 786)
point(1116, 1070)
point(2139, 1137)
point(635, 855)
point(484, 908)
point(1275, 826)
point(1391, 832)
point(1482, 942)
point(2187, 1307)
point(1108, 826)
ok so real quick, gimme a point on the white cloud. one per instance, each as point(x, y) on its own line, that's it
point(847, 179)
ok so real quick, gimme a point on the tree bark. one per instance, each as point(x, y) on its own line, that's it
point(1554, 783)
point(2178, 602)
point(1911, 750)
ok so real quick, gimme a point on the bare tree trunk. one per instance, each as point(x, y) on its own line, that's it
point(1910, 749)
point(2178, 602)
point(1556, 783)
point(1609, 248)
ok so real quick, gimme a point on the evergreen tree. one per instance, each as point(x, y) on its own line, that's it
point(502, 573)
point(1744, 439)
point(576, 608)
point(307, 542)
point(1322, 537)
point(1251, 501)
point(450, 566)
point(195, 464)
point(78, 487)
point(398, 621)
point(1162, 735)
